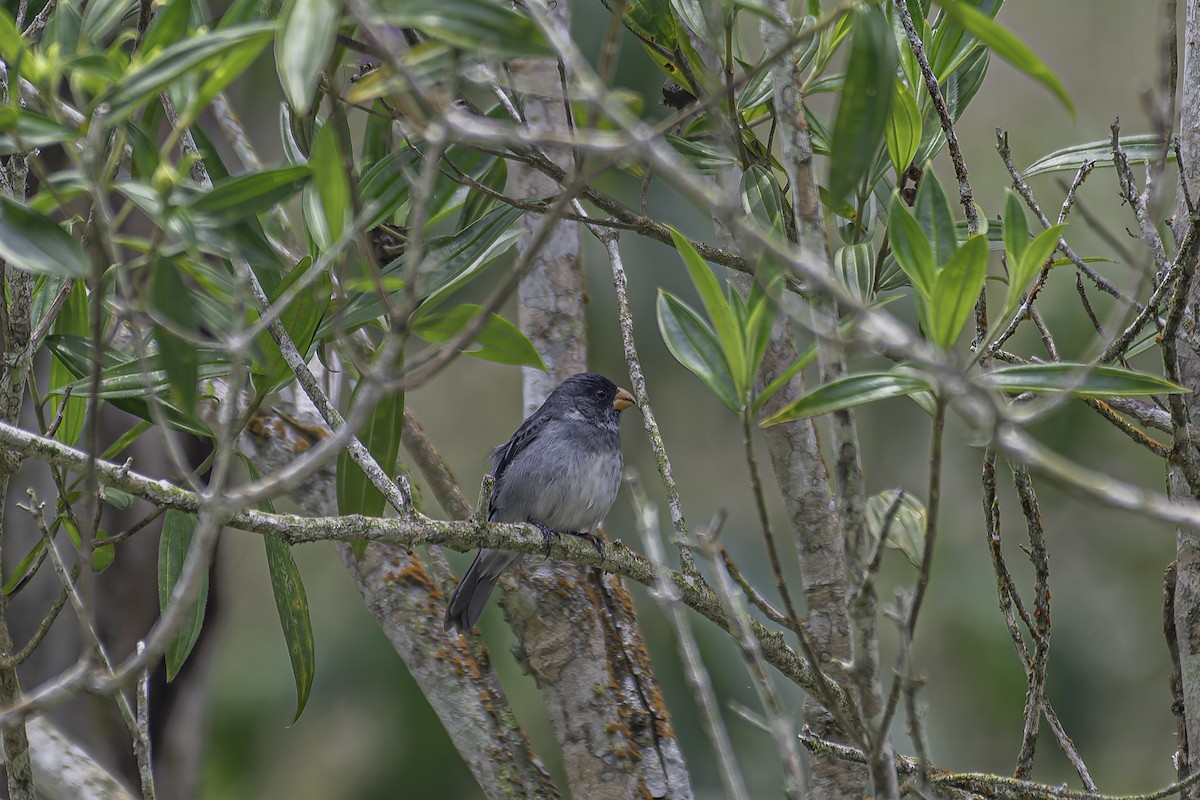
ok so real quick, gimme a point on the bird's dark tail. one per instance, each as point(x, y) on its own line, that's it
point(469, 598)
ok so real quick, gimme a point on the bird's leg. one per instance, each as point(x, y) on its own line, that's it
point(551, 536)
point(596, 541)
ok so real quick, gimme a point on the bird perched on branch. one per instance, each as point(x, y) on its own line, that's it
point(559, 472)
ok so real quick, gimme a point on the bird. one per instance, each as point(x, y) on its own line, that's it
point(559, 472)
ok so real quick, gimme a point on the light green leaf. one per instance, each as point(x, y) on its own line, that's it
point(150, 77)
point(1081, 380)
point(72, 320)
point(1016, 230)
point(35, 242)
point(291, 601)
point(177, 532)
point(903, 130)
point(101, 16)
point(22, 130)
point(907, 530)
point(499, 340)
point(475, 26)
point(1036, 254)
point(1138, 149)
point(847, 392)
point(381, 436)
point(234, 199)
point(855, 268)
point(693, 343)
point(957, 288)
point(762, 198)
point(865, 104)
point(729, 335)
point(330, 184)
point(1004, 44)
point(911, 248)
point(302, 49)
point(933, 213)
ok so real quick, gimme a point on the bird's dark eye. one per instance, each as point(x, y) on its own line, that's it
point(601, 393)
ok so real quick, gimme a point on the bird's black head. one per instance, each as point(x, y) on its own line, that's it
point(593, 395)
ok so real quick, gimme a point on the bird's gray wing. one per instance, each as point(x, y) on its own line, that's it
point(503, 455)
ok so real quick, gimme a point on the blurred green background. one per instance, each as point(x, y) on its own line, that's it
point(369, 733)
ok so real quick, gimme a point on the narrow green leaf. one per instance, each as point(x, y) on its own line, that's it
point(330, 185)
point(1138, 149)
point(762, 198)
point(1004, 44)
point(72, 320)
point(911, 248)
point(854, 266)
point(302, 49)
point(1036, 254)
point(170, 25)
point(22, 130)
point(865, 104)
point(933, 213)
point(499, 340)
point(693, 343)
point(903, 131)
point(101, 16)
point(906, 532)
point(117, 499)
point(847, 392)
point(234, 199)
point(957, 288)
point(1016, 230)
point(177, 532)
point(37, 243)
point(381, 436)
point(729, 335)
point(26, 569)
point(126, 439)
point(1081, 380)
point(12, 45)
point(291, 601)
point(475, 26)
point(479, 203)
point(150, 77)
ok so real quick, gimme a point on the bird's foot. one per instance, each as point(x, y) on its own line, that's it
point(596, 541)
point(550, 536)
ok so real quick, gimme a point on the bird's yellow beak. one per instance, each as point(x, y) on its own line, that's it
point(623, 400)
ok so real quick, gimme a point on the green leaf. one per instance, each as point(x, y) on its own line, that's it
point(1081, 380)
point(292, 603)
point(300, 319)
point(177, 532)
point(103, 555)
point(499, 340)
point(932, 210)
point(234, 199)
point(693, 343)
point(22, 130)
point(865, 104)
point(762, 198)
point(330, 186)
point(12, 44)
point(101, 16)
point(150, 77)
point(903, 130)
point(170, 25)
point(35, 242)
point(117, 499)
point(729, 335)
point(1036, 254)
point(72, 320)
point(479, 203)
point(957, 288)
point(475, 26)
point(307, 32)
point(906, 532)
point(26, 569)
point(1138, 149)
point(1004, 44)
point(911, 248)
point(1016, 230)
point(854, 266)
point(381, 436)
point(847, 392)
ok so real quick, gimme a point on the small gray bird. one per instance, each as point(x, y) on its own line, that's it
point(560, 472)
